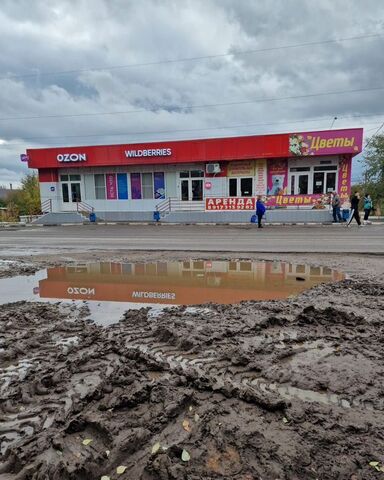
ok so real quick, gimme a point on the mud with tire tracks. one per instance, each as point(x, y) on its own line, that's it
point(261, 390)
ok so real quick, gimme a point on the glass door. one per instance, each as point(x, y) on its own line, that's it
point(191, 185)
point(70, 191)
point(299, 183)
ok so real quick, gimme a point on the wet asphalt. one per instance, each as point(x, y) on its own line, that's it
point(33, 240)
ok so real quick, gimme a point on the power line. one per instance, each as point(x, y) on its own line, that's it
point(128, 134)
point(372, 137)
point(220, 127)
point(192, 59)
point(191, 107)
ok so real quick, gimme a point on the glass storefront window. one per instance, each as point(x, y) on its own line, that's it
point(303, 184)
point(100, 186)
point(147, 185)
point(64, 178)
point(318, 182)
point(246, 185)
point(233, 187)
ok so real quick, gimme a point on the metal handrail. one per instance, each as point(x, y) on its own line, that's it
point(84, 207)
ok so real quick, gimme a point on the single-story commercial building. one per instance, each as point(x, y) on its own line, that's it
point(203, 180)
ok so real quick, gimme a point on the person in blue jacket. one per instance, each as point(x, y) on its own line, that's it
point(260, 210)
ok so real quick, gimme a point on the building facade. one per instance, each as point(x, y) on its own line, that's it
point(131, 181)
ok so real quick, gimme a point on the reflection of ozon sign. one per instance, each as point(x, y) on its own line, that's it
point(72, 157)
point(80, 291)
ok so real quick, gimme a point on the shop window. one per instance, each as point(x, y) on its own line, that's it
point(147, 185)
point(74, 178)
point(318, 182)
point(331, 182)
point(64, 178)
point(245, 266)
point(65, 191)
point(184, 174)
point(242, 187)
point(100, 186)
point(198, 265)
point(325, 169)
point(233, 187)
point(246, 185)
point(197, 173)
point(299, 169)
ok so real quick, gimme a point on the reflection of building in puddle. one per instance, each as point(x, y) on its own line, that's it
point(177, 283)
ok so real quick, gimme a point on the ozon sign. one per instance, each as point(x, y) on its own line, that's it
point(72, 157)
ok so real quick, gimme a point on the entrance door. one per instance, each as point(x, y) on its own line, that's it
point(70, 191)
point(191, 185)
point(299, 183)
point(241, 187)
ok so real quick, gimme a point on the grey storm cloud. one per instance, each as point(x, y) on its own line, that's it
point(76, 57)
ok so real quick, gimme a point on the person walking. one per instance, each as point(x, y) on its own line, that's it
point(260, 210)
point(355, 209)
point(368, 205)
point(336, 203)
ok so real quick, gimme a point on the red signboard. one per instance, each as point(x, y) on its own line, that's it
point(186, 151)
point(235, 203)
point(249, 203)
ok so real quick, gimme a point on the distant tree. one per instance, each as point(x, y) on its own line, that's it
point(26, 201)
point(373, 164)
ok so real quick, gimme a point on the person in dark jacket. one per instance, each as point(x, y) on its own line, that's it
point(355, 209)
point(260, 210)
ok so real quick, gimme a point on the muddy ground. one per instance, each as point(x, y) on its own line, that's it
point(262, 390)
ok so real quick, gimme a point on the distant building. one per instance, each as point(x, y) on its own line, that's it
point(5, 192)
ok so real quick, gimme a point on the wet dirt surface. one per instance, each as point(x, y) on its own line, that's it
point(285, 389)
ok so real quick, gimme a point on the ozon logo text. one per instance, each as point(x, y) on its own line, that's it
point(80, 291)
point(72, 157)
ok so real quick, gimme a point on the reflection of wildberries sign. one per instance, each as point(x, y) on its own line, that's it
point(321, 143)
point(230, 203)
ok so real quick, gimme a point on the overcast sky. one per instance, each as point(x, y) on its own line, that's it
point(40, 38)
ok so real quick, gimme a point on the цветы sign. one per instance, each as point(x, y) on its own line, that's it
point(323, 143)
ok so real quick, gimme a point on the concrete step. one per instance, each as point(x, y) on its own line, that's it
point(60, 218)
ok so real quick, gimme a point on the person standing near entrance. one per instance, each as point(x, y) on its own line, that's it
point(260, 210)
point(367, 207)
point(336, 202)
point(355, 209)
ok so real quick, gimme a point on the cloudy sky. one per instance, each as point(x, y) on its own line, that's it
point(86, 72)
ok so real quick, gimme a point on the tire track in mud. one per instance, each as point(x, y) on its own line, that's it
point(222, 372)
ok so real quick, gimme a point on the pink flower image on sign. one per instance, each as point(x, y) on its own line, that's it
point(323, 143)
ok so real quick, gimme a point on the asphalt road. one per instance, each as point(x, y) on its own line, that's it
point(230, 238)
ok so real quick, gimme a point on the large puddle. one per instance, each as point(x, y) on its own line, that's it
point(110, 288)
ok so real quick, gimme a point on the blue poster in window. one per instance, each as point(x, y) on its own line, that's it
point(159, 185)
point(122, 186)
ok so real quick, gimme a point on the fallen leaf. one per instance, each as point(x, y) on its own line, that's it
point(107, 452)
point(373, 464)
point(381, 469)
point(59, 452)
point(185, 456)
point(121, 469)
point(156, 447)
point(186, 426)
point(87, 441)
point(190, 408)
point(197, 418)
point(285, 420)
point(105, 477)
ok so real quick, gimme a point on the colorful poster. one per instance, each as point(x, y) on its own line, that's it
point(122, 186)
point(277, 176)
point(244, 168)
point(230, 203)
point(344, 182)
point(135, 186)
point(314, 201)
point(261, 176)
point(330, 142)
point(159, 185)
point(111, 186)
